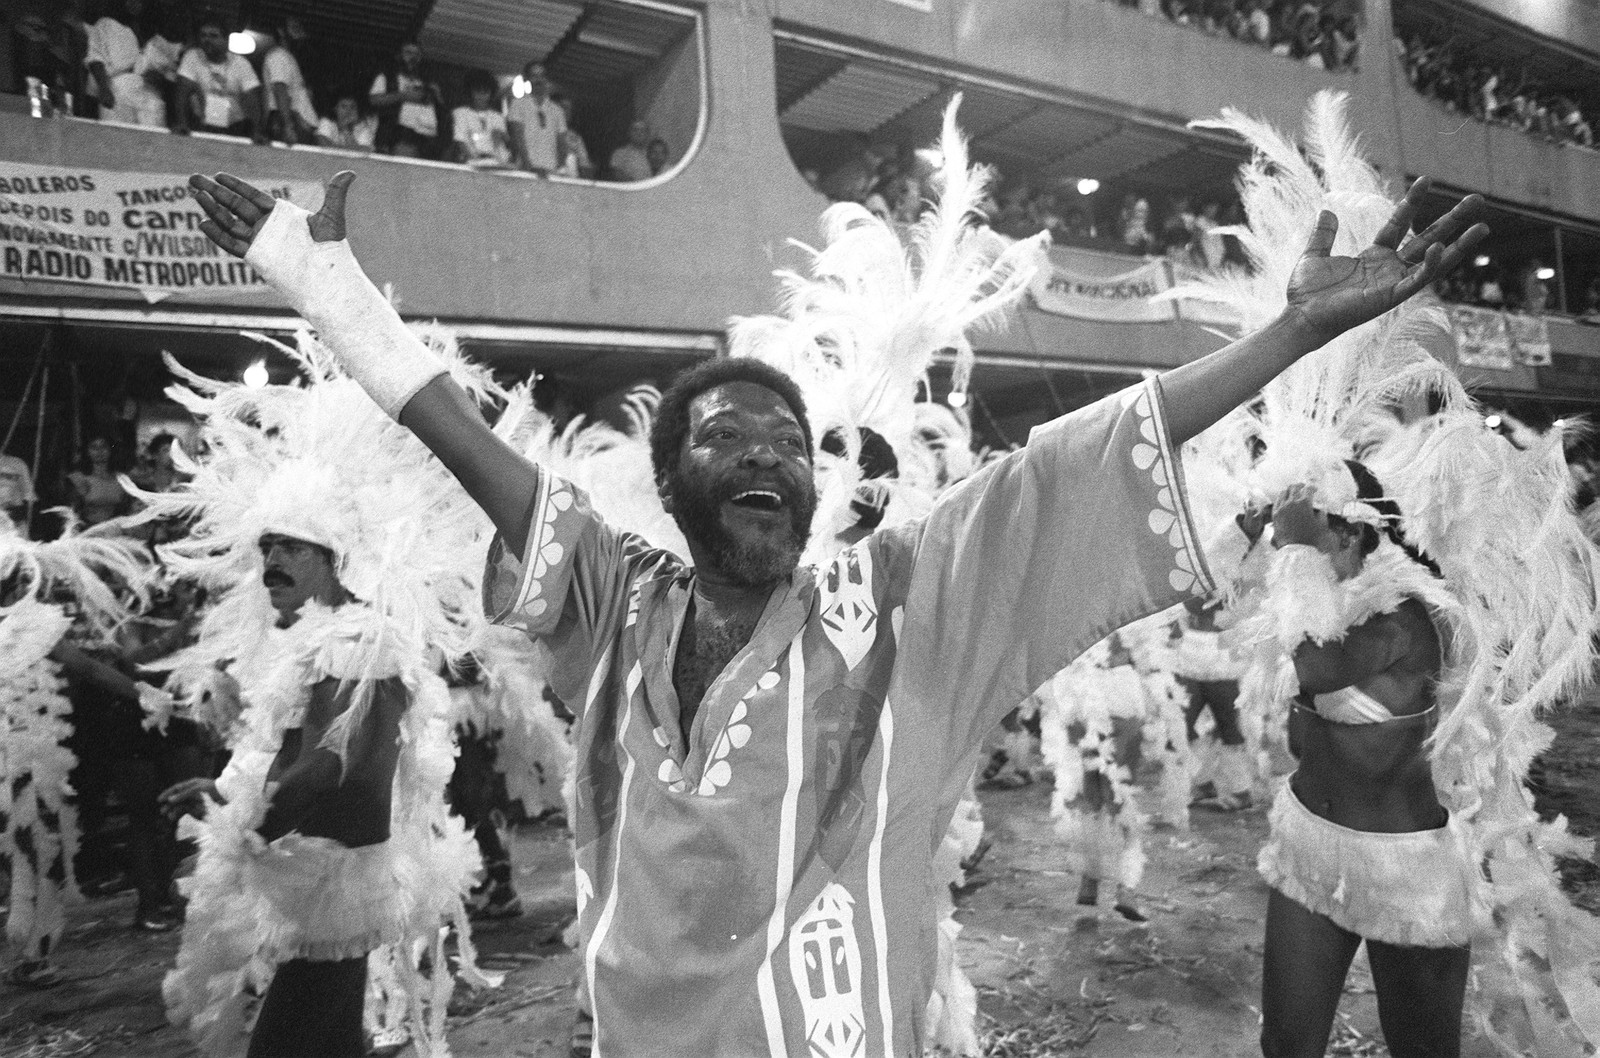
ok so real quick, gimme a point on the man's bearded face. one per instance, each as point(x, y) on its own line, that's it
point(743, 491)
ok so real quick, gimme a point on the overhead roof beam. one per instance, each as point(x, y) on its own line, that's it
point(570, 37)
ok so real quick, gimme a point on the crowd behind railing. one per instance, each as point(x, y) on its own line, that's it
point(1297, 29)
point(157, 64)
point(1496, 94)
point(891, 182)
point(1189, 231)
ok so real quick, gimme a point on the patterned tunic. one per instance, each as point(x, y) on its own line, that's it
point(767, 888)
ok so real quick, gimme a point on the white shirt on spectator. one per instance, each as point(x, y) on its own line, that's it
point(476, 131)
point(112, 43)
point(160, 57)
point(361, 137)
point(418, 117)
point(577, 162)
point(281, 67)
point(1213, 249)
point(16, 484)
point(222, 85)
point(115, 46)
point(543, 122)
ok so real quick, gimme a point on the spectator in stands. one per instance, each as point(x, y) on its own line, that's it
point(1259, 23)
point(630, 163)
point(348, 129)
point(1591, 304)
point(218, 90)
point(48, 50)
point(657, 155)
point(1498, 96)
point(409, 105)
point(1535, 291)
point(113, 62)
point(156, 471)
point(1078, 226)
point(1574, 127)
point(575, 161)
point(16, 490)
point(850, 181)
point(1491, 291)
point(159, 59)
point(99, 496)
point(479, 128)
point(1210, 248)
point(291, 116)
point(1134, 227)
point(535, 123)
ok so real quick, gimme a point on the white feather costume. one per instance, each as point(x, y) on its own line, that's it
point(1517, 593)
point(1099, 718)
point(858, 336)
point(95, 574)
point(320, 462)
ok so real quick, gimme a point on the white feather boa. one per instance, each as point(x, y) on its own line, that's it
point(34, 767)
point(1106, 841)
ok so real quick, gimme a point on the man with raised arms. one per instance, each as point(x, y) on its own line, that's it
point(769, 755)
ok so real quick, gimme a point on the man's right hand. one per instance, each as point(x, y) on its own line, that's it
point(238, 210)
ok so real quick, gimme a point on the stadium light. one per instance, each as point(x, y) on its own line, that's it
point(1088, 186)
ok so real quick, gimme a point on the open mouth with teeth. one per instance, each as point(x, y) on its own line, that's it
point(758, 500)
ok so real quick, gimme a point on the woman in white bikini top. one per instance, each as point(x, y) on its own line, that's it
point(1361, 850)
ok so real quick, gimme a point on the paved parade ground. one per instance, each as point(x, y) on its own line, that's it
point(1050, 980)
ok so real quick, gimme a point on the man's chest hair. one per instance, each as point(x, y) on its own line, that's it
point(709, 642)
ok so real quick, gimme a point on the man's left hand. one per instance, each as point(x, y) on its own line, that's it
point(1329, 295)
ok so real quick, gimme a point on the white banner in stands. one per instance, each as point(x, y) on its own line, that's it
point(1122, 298)
point(117, 229)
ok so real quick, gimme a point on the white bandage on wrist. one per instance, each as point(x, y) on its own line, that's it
point(323, 282)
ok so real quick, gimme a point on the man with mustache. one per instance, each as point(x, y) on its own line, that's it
point(768, 756)
point(314, 1004)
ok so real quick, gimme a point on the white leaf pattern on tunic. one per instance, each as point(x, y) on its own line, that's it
point(825, 965)
point(1151, 456)
point(849, 612)
point(734, 734)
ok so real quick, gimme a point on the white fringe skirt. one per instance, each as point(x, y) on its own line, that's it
point(328, 901)
point(1410, 889)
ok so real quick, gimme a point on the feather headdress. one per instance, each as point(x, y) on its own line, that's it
point(1310, 413)
point(1517, 583)
point(319, 461)
point(859, 333)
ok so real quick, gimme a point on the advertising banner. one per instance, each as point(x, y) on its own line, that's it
point(1481, 338)
point(118, 229)
point(1121, 298)
point(1530, 339)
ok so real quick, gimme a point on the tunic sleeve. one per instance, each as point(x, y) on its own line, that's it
point(1027, 564)
point(569, 589)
